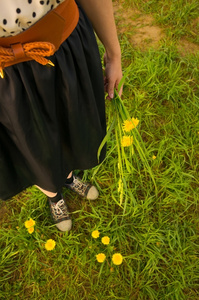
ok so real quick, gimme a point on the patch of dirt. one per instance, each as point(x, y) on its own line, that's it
point(185, 47)
point(147, 36)
point(142, 31)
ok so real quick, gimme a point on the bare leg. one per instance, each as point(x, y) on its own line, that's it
point(69, 176)
point(47, 193)
point(50, 194)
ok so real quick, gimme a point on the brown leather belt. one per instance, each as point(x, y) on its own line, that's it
point(41, 39)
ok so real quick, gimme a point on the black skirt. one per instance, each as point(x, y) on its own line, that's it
point(52, 119)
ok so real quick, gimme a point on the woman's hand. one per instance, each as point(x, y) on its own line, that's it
point(113, 74)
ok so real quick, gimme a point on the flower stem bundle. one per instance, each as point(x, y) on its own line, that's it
point(131, 151)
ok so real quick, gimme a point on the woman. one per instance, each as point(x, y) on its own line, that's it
point(52, 120)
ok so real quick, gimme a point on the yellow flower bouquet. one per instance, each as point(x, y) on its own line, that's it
point(131, 151)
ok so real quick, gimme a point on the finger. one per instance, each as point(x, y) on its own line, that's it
point(111, 86)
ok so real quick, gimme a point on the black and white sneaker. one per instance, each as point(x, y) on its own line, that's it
point(83, 189)
point(60, 214)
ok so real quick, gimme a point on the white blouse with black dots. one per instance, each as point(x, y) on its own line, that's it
point(18, 15)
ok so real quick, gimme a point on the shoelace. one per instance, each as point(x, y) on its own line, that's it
point(59, 208)
point(36, 51)
point(78, 184)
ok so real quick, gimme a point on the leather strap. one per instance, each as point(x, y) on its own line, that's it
point(54, 28)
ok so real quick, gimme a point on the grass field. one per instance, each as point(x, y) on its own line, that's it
point(154, 222)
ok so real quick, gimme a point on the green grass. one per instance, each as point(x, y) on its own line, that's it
point(156, 231)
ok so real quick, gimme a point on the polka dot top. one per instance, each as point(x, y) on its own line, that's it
point(18, 15)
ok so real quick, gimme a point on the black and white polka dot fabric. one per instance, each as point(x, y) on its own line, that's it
point(18, 15)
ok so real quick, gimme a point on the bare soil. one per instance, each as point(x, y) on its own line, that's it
point(142, 31)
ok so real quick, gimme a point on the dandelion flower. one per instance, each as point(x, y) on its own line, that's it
point(29, 223)
point(135, 122)
point(128, 125)
point(95, 234)
point(105, 240)
point(154, 157)
point(127, 141)
point(101, 257)
point(50, 245)
point(117, 259)
point(31, 230)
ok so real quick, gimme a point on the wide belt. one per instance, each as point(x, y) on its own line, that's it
point(41, 39)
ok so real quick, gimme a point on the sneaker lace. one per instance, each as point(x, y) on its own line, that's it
point(78, 185)
point(60, 209)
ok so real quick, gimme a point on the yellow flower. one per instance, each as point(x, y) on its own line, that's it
point(117, 259)
point(31, 230)
point(29, 223)
point(105, 240)
point(129, 125)
point(50, 245)
point(154, 157)
point(135, 122)
point(101, 257)
point(95, 234)
point(127, 141)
